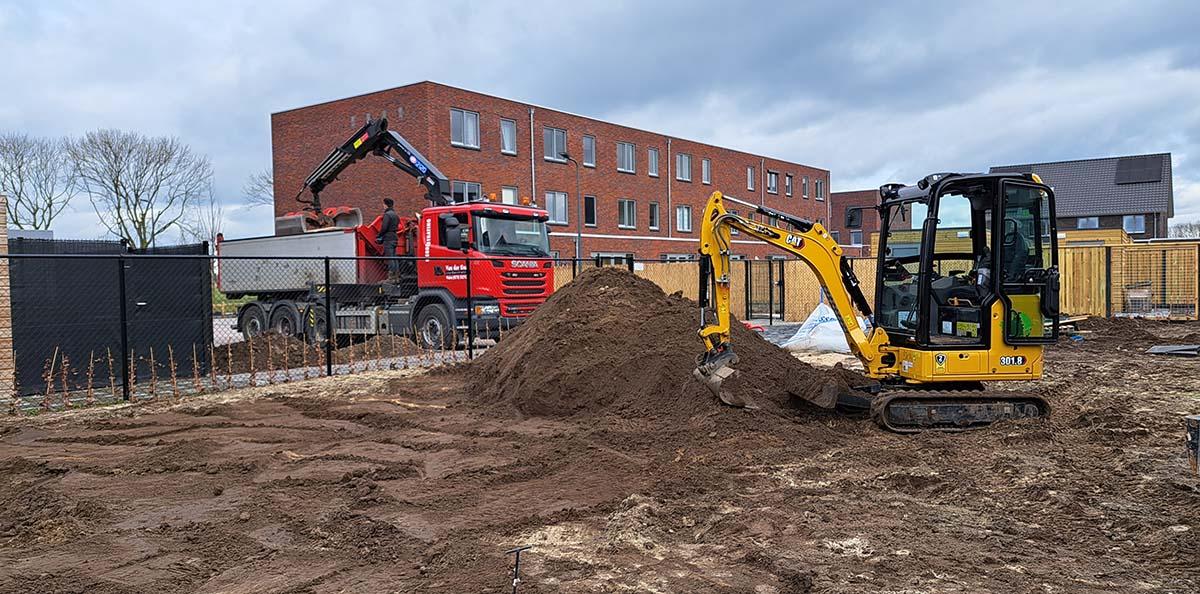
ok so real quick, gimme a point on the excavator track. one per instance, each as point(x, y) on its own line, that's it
point(915, 410)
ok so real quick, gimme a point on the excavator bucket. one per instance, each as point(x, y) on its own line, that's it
point(712, 369)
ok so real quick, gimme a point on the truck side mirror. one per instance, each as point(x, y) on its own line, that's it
point(464, 239)
point(453, 235)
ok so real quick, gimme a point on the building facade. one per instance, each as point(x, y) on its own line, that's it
point(854, 232)
point(1134, 193)
point(639, 192)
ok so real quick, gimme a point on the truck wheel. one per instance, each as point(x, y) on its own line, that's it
point(252, 321)
point(285, 319)
point(316, 325)
point(433, 328)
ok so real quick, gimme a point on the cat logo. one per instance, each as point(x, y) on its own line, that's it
point(794, 241)
point(940, 360)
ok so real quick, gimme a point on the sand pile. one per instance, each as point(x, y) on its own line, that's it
point(613, 341)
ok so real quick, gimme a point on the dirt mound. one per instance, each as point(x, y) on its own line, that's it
point(611, 340)
point(265, 353)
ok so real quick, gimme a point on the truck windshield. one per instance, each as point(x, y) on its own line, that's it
point(511, 237)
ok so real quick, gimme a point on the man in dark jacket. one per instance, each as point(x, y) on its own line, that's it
point(388, 238)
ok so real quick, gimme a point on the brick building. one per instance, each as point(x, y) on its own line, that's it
point(856, 236)
point(643, 192)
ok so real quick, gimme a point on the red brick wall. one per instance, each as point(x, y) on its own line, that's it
point(839, 202)
point(302, 137)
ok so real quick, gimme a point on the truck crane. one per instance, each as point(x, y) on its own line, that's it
point(502, 250)
point(966, 293)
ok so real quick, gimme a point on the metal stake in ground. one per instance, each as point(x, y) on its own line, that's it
point(516, 575)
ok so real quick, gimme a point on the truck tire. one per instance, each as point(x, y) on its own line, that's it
point(253, 321)
point(316, 325)
point(285, 319)
point(433, 329)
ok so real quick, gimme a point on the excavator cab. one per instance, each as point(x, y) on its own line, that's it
point(967, 261)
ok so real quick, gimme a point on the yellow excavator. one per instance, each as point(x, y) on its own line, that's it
point(966, 292)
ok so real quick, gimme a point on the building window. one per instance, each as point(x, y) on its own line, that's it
point(856, 238)
point(652, 162)
point(787, 184)
point(653, 220)
point(589, 151)
point(464, 128)
point(625, 158)
point(1134, 223)
point(627, 214)
point(589, 211)
point(683, 219)
point(750, 178)
point(804, 187)
point(465, 191)
point(556, 205)
point(1087, 223)
point(819, 188)
point(836, 236)
point(508, 137)
point(508, 195)
point(683, 167)
point(732, 230)
point(706, 171)
point(677, 257)
point(772, 182)
point(554, 143)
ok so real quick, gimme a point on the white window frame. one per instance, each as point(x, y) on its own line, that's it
point(706, 171)
point(513, 125)
point(466, 189)
point(677, 257)
point(627, 151)
point(551, 196)
point(585, 161)
point(804, 187)
point(631, 205)
point(652, 162)
point(820, 189)
point(681, 212)
point(1125, 223)
point(750, 175)
point(595, 212)
point(683, 167)
point(654, 217)
point(553, 157)
point(788, 182)
point(859, 240)
point(463, 113)
point(1079, 223)
point(772, 182)
point(516, 198)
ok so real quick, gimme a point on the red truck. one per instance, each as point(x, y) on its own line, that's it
point(503, 249)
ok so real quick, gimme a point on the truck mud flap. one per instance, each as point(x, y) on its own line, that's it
point(914, 411)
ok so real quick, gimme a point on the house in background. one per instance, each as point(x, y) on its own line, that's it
point(853, 231)
point(1133, 193)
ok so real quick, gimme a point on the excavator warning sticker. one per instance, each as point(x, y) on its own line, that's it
point(1014, 360)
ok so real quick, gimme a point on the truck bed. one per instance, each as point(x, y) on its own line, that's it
point(275, 264)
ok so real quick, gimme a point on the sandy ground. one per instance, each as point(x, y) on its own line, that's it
point(390, 482)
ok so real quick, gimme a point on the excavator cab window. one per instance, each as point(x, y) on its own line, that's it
point(960, 287)
point(1028, 264)
point(896, 304)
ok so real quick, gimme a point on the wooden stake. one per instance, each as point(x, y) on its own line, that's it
point(48, 378)
point(174, 375)
point(270, 360)
point(287, 367)
point(153, 376)
point(133, 376)
point(212, 364)
point(90, 397)
point(253, 370)
point(228, 365)
point(197, 385)
point(65, 369)
point(112, 375)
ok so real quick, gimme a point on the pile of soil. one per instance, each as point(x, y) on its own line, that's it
point(613, 341)
point(264, 353)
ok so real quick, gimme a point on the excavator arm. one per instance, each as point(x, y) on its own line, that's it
point(806, 240)
point(373, 139)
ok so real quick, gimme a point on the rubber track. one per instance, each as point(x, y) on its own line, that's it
point(914, 410)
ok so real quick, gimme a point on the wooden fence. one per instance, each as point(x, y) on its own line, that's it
point(1157, 280)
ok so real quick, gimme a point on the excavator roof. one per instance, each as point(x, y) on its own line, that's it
point(893, 193)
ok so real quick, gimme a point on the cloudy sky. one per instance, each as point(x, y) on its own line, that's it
point(873, 92)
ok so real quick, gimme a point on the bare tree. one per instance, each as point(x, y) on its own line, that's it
point(37, 177)
point(140, 186)
point(260, 188)
point(1186, 230)
point(204, 221)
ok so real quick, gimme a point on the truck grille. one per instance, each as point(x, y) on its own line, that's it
point(523, 283)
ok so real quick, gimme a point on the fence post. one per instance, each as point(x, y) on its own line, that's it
point(749, 290)
point(470, 314)
point(1165, 303)
point(782, 290)
point(1108, 282)
point(329, 332)
point(629, 262)
point(598, 264)
point(574, 268)
point(770, 292)
point(124, 328)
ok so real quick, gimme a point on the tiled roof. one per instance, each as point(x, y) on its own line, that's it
point(1087, 187)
